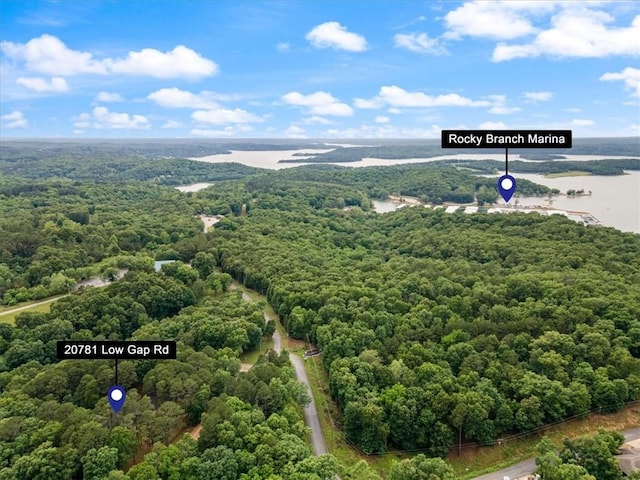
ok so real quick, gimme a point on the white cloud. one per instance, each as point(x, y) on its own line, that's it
point(492, 126)
point(383, 131)
point(371, 103)
point(102, 118)
point(504, 110)
point(107, 97)
point(535, 97)
point(630, 76)
point(40, 85)
point(228, 131)
point(316, 119)
point(499, 105)
point(382, 119)
point(222, 116)
point(48, 54)
point(176, 98)
point(283, 47)
point(395, 96)
point(577, 32)
point(181, 62)
point(319, 103)
point(394, 110)
point(492, 19)
point(419, 43)
point(295, 132)
point(172, 124)
point(333, 35)
point(15, 119)
point(580, 122)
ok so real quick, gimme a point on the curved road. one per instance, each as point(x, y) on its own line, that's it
point(528, 467)
point(310, 411)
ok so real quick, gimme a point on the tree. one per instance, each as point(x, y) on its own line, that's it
point(168, 419)
point(595, 453)
point(585, 458)
point(361, 471)
point(143, 471)
point(324, 467)
point(124, 440)
point(46, 463)
point(97, 463)
point(421, 468)
point(204, 263)
point(364, 424)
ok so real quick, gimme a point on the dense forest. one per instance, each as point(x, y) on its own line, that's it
point(434, 328)
point(594, 167)
point(455, 325)
point(56, 233)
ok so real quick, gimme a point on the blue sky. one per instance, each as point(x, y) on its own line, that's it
point(316, 69)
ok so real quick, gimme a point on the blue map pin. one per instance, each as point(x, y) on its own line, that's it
point(116, 397)
point(507, 187)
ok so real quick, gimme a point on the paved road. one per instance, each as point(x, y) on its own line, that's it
point(310, 411)
point(528, 467)
point(277, 341)
point(518, 470)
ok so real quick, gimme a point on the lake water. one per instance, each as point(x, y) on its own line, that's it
point(262, 159)
point(269, 159)
point(614, 200)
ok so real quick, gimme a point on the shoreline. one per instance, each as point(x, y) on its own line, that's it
point(586, 218)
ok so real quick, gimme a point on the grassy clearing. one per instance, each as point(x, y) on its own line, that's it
point(6, 308)
point(10, 318)
point(251, 356)
point(573, 173)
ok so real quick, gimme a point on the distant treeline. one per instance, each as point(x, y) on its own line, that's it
point(144, 148)
point(595, 167)
point(105, 167)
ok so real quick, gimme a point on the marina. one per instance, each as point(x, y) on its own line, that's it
point(585, 218)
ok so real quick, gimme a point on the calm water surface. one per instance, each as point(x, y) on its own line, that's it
point(614, 200)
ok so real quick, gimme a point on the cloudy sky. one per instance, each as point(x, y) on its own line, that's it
point(374, 69)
